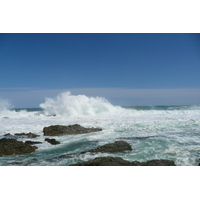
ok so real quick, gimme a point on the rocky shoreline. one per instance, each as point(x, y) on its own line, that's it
point(9, 145)
point(117, 161)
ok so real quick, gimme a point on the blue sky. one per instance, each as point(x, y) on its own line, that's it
point(127, 69)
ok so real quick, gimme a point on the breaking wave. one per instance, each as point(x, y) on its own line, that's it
point(79, 105)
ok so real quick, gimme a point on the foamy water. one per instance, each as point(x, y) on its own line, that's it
point(154, 133)
point(66, 104)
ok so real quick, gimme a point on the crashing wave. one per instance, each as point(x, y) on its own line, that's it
point(79, 105)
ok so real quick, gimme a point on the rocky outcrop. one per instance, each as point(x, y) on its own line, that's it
point(9, 136)
point(158, 163)
point(29, 142)
point(12, 147)
point(117, 161)
point(52, 141)
point(26, 135)
point(116, 147)
point(59, 130)
point(104, 161)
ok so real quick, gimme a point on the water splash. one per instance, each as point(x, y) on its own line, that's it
point(5, 105)
point(66, 104)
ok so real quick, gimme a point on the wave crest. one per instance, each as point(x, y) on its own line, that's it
point(78, 105)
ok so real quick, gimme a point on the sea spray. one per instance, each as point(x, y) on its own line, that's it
point(153, 134)
point(159, 132)
point(4, 105)
point(66, 104)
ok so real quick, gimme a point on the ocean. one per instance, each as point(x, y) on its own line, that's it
point(154, 132)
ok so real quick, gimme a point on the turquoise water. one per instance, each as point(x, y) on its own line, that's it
point(154, 132)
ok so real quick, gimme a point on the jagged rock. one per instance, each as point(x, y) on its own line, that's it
point(52, 141)
point(32, 142)
point(12, 147)
point(26, 135)
point(59, 130)
point(117, 161)
point(117, 146)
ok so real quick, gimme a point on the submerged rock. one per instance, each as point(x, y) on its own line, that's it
point(59, 130)
point(12, 147)
point(8, 135)
point(52, 141)
point(117, 161)
point(118, 146)
point(26, 135)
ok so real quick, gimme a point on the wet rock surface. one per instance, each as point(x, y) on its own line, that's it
point(118, 146)
point(104, 161)
point(161, 162)
point(29, 142)
point(52, 141)
point(117, 161)
point(12, 147)
point(59, 130)
point(26, 135)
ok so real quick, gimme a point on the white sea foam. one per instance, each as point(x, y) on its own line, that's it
point(66, 104)
point(152, 133)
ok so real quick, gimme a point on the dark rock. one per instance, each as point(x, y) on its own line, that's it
point(52, 141)
point(26, 135)
point(32, 142)
point(7, 134)
point(117, 161)
point(158, 163)
point(118, 146)
point(104, 161)
point(12, 147)
point(59, 130)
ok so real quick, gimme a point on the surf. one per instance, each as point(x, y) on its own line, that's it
point(66, 104)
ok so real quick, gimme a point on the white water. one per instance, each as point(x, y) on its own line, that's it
point(66, 104)
point(153, 134)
